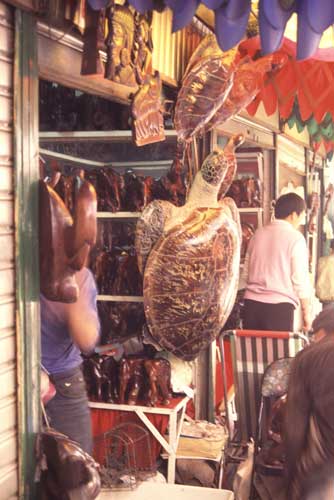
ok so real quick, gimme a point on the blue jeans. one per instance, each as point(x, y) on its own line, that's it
point(68, 411)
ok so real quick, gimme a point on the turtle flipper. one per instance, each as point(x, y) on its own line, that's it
point(229, 205)
point(150, 227)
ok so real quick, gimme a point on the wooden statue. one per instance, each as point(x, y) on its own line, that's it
point(148, 124)
point(101, 378)
point(143, 379)
point(119, 42)
point(143, 46)
point(94, 41)
point(131, 380)
point(65, 241)
point(159, 376)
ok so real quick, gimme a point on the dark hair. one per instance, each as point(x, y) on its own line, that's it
point(287, 204)
point(324, 320)
point(332, 244)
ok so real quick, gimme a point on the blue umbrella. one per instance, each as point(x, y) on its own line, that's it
point(313, 19)
point(213, 4)
point(183, 12)
point(272, 20)
point(142, 6)
point(231, 22)
point(98, 4)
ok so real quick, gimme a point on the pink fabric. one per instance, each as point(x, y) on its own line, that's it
point(276, 266)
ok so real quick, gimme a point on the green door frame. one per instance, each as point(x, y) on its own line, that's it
point(26, 175)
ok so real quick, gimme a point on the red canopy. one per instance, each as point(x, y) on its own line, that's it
point(310, 81)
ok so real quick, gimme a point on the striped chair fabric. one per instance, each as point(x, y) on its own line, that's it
point(252, 351)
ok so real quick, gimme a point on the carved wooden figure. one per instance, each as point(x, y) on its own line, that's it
point(101, 378)
point(131, 380)
point(159, 376)
point(146, 109)
point(148, 380)
point(143, 46)
point(119, 42)
point(65, 242)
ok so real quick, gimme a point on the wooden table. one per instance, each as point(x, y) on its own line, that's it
point(175, 413)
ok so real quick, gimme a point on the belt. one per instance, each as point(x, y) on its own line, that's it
point(66, 374)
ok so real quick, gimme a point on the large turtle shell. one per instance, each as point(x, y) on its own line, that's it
point(190, 281)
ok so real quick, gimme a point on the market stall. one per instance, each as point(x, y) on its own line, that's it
point(139, 138)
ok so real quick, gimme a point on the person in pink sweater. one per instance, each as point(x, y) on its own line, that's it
point(276, 270)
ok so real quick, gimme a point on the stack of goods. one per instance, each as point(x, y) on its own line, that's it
point(133, 380)
point(201, 439)
point(246, 192)
point(114, 260)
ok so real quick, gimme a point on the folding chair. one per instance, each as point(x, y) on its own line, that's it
point(252, 351)
point(268, 447)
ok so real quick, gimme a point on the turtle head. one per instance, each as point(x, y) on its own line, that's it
point(219, 166)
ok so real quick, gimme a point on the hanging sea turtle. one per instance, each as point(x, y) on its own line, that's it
point(190, 256)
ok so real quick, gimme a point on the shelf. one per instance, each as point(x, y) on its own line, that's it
point(251, 209)
point(120, 298)
point(135, 215)
point(199, 457)
point(104, 135)
point(118, 215)
point(82, 162)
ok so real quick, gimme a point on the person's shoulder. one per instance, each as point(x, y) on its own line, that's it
point(85, 277)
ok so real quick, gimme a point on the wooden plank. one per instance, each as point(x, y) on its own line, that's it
point(160, 410)
point(154, 431)
point(28, 5)
point(64, 66)
point(118, 215)
point(120, 298)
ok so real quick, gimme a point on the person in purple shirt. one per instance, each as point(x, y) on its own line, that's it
point(66, 331)
point(276, 271)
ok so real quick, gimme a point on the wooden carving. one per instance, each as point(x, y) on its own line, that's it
point(143, 46)
point(119, 42)
point(159, 376)
point(148, 124)
point(64, 241)
point(101, 378)
point(145, 379)
point(94, 37)
point(131, 380)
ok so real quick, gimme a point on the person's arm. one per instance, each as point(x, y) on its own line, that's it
point(306, 314)
point(301, 281)
point(245, 270)
point(82, 317)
